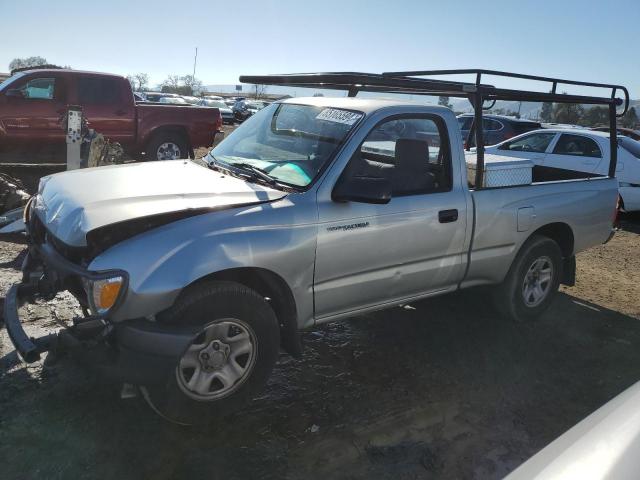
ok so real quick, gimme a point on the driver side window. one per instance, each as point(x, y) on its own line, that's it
point(412, 153)
point(536, 142)
point(39, 88)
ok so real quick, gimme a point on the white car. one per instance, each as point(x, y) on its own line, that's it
point(173, 100)
point(578, 150)
point(603, 446)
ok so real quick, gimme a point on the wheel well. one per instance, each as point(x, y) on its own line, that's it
point(560, 233)
point(273, 287)
point(177, 129)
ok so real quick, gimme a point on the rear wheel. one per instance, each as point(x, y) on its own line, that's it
point(167, 146)
point(227, 362)
point(532, 282)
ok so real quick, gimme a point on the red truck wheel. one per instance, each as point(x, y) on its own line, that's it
point(167, 146)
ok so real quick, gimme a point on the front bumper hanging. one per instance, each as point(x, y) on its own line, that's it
point(134, 351)
point(29, 348)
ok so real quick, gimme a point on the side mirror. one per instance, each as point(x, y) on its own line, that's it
point(362, 190)
point(14, 92)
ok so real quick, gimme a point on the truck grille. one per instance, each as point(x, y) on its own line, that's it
point(39, 234)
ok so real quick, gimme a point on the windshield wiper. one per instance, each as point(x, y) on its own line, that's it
point(253, 171)
point(256, 172)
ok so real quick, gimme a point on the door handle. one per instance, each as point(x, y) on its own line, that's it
point(448, 216)
point(120, 112)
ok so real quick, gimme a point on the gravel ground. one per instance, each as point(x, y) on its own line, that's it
point(438, 389)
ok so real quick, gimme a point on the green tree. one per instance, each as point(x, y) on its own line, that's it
point(596, 117)
point(546, 113)
point(185, 85)
point(571, 113)
point(630, 119)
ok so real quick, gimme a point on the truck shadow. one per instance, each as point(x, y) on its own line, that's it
point(442, 388)
point(630, 222)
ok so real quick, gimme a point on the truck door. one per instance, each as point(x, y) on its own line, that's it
point(108, 106)
point(370, 254)
point(32, 109)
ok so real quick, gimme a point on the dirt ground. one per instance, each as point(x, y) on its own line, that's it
point(438, 389)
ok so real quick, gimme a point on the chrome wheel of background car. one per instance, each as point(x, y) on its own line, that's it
point(218, 361)
point(537, 281)
point(168, 151)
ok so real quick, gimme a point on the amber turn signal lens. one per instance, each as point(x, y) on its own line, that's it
point(105, 293)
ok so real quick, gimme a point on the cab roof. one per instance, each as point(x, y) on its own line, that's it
point(365, 105)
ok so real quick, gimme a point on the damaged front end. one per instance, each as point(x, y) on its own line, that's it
point(135, 351)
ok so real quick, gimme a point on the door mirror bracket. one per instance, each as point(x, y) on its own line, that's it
point(14, 92)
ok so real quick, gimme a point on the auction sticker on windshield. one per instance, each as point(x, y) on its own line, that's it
point(339, 116)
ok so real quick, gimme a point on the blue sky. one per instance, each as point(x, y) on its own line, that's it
point(585, 40)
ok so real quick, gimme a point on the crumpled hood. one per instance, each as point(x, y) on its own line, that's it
point(73, 203)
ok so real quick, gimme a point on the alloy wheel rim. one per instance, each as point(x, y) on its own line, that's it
point(168, 151)
point(218, 360)
point(537, 281)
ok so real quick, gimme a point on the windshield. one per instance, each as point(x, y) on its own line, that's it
point(10, 80)
point(292, 143)
point(630, 145)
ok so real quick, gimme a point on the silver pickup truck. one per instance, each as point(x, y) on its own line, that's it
point(313, 210)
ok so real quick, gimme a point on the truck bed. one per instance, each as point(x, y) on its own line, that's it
point(508, 171)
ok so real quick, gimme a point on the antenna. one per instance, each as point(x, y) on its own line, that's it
point(195, 60)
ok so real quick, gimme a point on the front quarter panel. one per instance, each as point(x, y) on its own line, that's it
point(278, 236)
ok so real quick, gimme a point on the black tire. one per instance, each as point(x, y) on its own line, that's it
point(202, 305)
point(509, 296)
point(153, 149)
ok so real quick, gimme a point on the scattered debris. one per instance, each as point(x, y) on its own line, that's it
point(13, 195)
point(16, 226)
point(101, 151)
point(315, 428)
point(10, 217)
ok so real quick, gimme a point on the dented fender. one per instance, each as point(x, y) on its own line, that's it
point(278, 236)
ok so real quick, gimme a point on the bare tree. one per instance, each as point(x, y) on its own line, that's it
point(192, 84)
point(143, 81)
point(139, 82)
point(132, 82)
point(171, 84)
point(259, 91)
point(27, 62)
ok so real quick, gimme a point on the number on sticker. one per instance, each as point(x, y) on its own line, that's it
point(339, 116)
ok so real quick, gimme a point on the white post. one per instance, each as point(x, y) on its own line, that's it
point(74, 138)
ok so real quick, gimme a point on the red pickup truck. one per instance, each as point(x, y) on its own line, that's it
point(33, 104)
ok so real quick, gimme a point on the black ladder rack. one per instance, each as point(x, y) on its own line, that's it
point(414, 83)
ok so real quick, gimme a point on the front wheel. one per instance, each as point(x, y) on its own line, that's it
point(227, 362)
point(532, 282)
